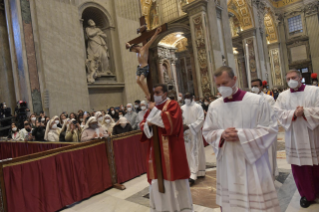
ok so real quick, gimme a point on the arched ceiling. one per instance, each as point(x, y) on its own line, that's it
point(172, 39)
point(242, 11)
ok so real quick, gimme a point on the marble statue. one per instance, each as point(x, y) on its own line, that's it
point(97, 52)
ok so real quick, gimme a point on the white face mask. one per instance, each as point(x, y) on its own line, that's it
point(206, 103)
point(57, 122)
point(64, 120)
point(43, 119)
point(100, 119)
point(14, 129)
point(81, 120)
point(54, 126)
point(120, 116)
point(113, 112)
point(33, 118)
point(179, 98)
point(158, 99)
point(255, 90)
point(123, 125)
point(107, 121)
point(188, 102)
point(129, 109)
point(143, 107)
point(136, 106)
point(293, 84)
point(225, 91)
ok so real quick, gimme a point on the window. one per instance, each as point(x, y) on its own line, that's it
point(304, 70)
point(295, 24)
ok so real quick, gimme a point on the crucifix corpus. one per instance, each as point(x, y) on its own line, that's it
point(144, 71)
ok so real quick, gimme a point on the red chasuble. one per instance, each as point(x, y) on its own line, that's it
point(171, 138)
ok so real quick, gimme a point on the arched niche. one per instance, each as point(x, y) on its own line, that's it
point(103, 21)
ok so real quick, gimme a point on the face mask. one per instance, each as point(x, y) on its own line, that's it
point(64, 121)
point(120, 116)
point(43, 119)
point(293, 84)
point(14, 129)
point(81, 120)
point(265, 90)
point(255, 90)
point(33, 118)
point(100, 119)
point(129, 109)
point(54, 126)
point(28, 130)
point(4, 106)
point(113, 112)
point(94, 126)
point(225, 91)
point(108, 121)
point(143, 107)
point(57, 121)
point(188, 102)
point(123, 125)
point(136, 106)
point(206, 103)
point(158, 99)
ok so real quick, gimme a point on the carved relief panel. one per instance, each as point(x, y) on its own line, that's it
point(276, 67)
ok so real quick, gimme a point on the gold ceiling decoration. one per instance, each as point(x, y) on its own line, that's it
point(283, 3)
point(242, 12)
point(172, 39)
point(271, 28)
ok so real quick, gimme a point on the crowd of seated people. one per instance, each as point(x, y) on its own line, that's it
point(81, 126)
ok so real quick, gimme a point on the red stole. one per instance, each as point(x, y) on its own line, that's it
point(173, 153)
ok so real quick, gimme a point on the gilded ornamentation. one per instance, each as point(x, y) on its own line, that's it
point(201, 54)
point(242, 13)
point(276, 66)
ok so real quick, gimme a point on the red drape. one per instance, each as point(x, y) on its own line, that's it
point(50, 183)
point(130, 157)
point(18, 149)
point(205, 143)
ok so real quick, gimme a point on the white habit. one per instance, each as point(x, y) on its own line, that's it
point(272, 151)
point(193, 116)
point(302, 137)
point(244, 180)
point(177, 196)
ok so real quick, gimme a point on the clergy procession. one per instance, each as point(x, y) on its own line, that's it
point(242, 129)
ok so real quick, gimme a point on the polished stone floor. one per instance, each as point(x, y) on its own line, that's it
point(135, 197)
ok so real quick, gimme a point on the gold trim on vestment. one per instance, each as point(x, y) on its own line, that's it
point(170, 121)
point(50, 155)
point(166, 154)
point(166, 105)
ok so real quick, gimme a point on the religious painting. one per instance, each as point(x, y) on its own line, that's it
point(276, 66)
point(202, 54)
point(251, 57)
point(154, 16)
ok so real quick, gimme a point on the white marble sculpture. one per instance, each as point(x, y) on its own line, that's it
point(97, 53)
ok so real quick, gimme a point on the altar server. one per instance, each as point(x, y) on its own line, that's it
point(241, 127)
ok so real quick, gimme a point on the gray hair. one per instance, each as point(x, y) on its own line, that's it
point(294, 71)
point(223, 69)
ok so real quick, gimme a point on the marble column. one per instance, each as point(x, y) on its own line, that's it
point(7, 93)
point(283, 46)
point(197, 12)
point(311, 15)
point(25, 68)
point(192, 62)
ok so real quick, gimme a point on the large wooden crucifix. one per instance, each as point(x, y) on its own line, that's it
point(145, 36)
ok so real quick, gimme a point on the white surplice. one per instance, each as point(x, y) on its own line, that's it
point(272, 151)
point(244, 181)
point(193, 116)
point(177, 196)
point(302, 135)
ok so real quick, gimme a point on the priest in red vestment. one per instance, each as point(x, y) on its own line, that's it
point(166, 114)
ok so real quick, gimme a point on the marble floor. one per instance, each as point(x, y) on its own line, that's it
point(134, 198)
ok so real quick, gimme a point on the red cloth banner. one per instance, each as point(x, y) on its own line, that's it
point(50, 183)
point(18, 149)
point(130, 157)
